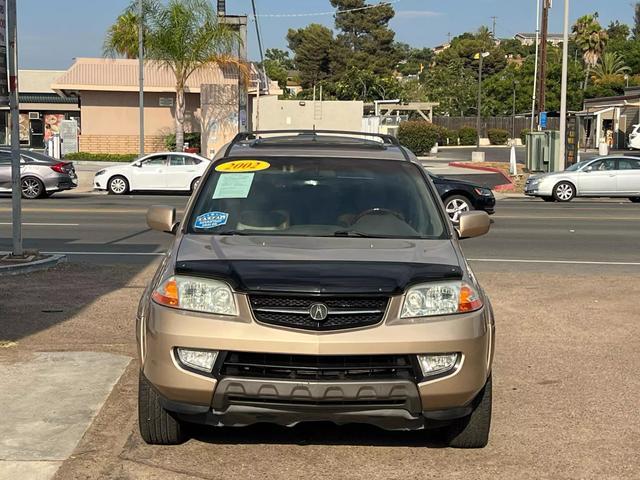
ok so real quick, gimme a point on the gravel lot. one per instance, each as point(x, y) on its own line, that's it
point(566, 386)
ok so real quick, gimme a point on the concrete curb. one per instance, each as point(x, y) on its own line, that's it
point(506, 187)
point(35, 266)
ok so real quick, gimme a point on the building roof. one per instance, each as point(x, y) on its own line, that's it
point(37, 81)
point(121, 75)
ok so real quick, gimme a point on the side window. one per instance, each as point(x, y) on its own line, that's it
point(192, 161)
point(605, 165)
point(157, 161)
point(595, 166)
point(628, 164)
point(5, 158)
point(176, 160)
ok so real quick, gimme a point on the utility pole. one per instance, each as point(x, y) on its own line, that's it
point(494, 26)
point(480, 56)
point(16, 190)
point(141, 71)
point(542, 70)
point(563, 91)
point(535, 68)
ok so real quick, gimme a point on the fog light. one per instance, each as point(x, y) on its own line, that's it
point(202, 360)
point(436, 364)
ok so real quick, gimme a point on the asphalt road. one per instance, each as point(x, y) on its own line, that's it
point(525, 232)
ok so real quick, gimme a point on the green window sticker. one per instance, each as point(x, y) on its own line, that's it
point(233, 185)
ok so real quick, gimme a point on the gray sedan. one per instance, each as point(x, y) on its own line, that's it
point(40, 174)
point(600, 177)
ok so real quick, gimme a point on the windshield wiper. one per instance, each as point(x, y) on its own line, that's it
point(355, 233)
point(233, 232)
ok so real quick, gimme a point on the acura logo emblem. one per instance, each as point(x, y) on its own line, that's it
point(318, 311)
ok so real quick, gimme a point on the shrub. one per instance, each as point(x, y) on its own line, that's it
point(523, 135)
point(101, 157)
point(468, 136)
point(418, 136)
point(193, 139)
point(497, 136)
point(446, 136)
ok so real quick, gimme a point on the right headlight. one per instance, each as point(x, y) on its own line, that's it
point(101, 172)
point(196, 294)
point(440, 298)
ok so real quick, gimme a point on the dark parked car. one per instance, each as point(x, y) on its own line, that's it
point(460, 196)
point(41, 175)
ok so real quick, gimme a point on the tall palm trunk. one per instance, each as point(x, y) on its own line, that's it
point(180, 109)
point(586, 77)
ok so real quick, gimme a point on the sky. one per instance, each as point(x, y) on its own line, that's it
point(52, 34)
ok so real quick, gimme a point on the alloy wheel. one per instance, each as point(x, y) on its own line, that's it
point(31, 187)
point(564, 192)
point(118, 185)
point(455, 207)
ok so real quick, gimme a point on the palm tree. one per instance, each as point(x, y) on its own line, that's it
point(611, 67)
point(591, 39)
point(122, 36)
point(184, 36)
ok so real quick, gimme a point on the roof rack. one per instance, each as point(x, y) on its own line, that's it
point(254, 135)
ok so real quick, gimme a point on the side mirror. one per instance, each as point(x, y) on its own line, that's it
point(137, 164)
point(589, 169)
point(473, 224)
point(162, 218)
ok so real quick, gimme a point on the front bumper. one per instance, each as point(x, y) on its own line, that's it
point(391, 404)
point(487, 204)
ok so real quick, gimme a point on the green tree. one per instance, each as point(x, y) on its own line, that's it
point(610, 67)
point(412, 61)
point(636, 18)
point(277, 64)
point(122, 36)
point(454, 87)
point(365, 39)
point(592, 40)
point(365, 85)
point(312, 47)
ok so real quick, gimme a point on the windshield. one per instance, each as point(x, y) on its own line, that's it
point(317, 197)
point(577, 166)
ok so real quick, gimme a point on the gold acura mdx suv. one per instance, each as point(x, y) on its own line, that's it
point(315, 276)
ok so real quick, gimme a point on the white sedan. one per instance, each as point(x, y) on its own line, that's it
point(600, 177)
point(158, 171)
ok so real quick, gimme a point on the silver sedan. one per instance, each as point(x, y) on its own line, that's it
point(40, 175)
point(600, 177)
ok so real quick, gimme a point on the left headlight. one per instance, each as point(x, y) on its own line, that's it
point(485, 192)
point(196, 294)
point(441, 298)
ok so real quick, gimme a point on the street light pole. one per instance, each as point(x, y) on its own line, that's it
point(513, 123)
point(16, 190)
point(535, 68)
point(141, 71)
point(563, 91)
point(481, 56)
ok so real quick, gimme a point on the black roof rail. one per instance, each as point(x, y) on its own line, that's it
point(253, 135)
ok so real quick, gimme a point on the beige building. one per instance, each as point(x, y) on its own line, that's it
point(108, 92)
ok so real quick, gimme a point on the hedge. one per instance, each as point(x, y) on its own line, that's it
point(193, 139)
point(523, 135)
point(468, 136)
point(497, 136)
point(418, 136)
point(102, 157)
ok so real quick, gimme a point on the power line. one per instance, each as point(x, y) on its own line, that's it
point(332, 12)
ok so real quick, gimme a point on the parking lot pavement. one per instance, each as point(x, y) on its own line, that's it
point(565, 378)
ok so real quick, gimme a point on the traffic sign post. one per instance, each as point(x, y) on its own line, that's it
point(543, 120)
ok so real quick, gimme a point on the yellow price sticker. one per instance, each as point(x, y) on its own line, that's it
point(243, 166)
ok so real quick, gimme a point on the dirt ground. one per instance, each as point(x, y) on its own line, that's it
point(566, 386)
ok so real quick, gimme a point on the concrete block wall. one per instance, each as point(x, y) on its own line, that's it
point(120, 143)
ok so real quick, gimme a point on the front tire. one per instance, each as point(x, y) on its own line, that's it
point(472, 431)
point(118, 185)
point(194, 184)
point(456, 205)
point(157, 425)
point(564, 192)
point(32, 188)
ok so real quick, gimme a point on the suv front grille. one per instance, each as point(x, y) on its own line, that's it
point(318, 367)
point(294, 311)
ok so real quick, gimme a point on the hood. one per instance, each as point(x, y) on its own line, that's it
point(441, 179)
point(317, 265)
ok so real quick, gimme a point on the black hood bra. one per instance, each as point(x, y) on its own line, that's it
point(319, 277)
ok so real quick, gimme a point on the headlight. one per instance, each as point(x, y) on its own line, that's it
point(485, 192)
point(442, 298)
point(196, 294)
point(101, 172)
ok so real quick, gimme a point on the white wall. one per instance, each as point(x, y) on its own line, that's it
point(274, 114)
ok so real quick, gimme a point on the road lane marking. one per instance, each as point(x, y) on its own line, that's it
point(541, 217)
point(566, 262)
point(28, 224)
